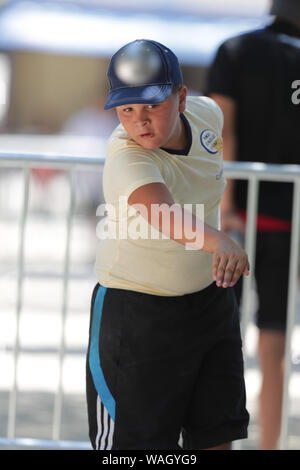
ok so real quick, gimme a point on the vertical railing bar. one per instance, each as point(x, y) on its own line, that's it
point(11, 423)
point(250, 248)
point(59, 396)
point(291, 313)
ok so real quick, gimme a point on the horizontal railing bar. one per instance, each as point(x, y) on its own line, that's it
point(262, 171)
point(44, 443)
point(233, 169)
point(32, 160)
point(8, 349)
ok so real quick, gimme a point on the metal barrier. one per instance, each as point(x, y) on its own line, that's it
point(26, 162)
point(253, 172)
point(256, 172)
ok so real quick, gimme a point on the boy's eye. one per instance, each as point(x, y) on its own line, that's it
point(149, 106)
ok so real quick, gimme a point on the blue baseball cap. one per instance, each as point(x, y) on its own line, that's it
point(142, 71)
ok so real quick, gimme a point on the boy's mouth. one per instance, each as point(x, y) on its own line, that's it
point(147, 135)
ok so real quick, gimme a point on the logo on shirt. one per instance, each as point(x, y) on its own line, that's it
point(211, 142)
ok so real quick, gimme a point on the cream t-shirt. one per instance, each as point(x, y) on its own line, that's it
point(151, 265)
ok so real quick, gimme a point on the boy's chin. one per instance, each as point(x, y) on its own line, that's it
point(148, 145)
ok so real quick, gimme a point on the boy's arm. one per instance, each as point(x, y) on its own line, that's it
point(229, 260)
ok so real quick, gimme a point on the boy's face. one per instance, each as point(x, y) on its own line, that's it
point(155, 125)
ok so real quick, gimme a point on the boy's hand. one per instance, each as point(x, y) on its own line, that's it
point(230, 261)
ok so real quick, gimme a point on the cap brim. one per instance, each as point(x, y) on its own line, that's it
point(145, 94)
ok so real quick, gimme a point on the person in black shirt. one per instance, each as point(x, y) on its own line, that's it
point(254, 79)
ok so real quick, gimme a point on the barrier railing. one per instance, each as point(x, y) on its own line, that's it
point(253, 172)
point(70, 164)
point(256, 172)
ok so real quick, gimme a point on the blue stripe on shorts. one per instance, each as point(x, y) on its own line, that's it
point(94, 357)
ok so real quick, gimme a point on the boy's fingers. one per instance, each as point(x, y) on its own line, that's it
point(226, 271)
point(239, 270)
point(216, 260)
point(247, 269)
point(229, 273)
point(221, 271)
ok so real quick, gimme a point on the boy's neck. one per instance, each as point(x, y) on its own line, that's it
point(184, 135)
point(181, 142)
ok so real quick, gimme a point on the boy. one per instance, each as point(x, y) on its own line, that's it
point(164, 353)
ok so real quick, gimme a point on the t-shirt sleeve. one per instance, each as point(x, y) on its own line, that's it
point(217, 111)
point(221, 76)
point(216, 114)
point(127, 170)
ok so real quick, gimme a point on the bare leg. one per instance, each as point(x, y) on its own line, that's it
point(271, 354)
point(226, 446)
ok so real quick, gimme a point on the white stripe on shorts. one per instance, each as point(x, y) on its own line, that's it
point(105, 426)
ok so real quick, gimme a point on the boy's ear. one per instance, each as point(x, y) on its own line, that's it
point(182, 98)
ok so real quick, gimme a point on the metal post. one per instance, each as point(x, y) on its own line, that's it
point(291, 313)
point(250, 248)
point(59, 395)
point(11, 425)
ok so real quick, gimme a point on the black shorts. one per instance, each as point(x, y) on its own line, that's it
point(160, 367)
point(272, 262)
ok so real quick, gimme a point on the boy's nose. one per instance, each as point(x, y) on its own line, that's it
point(142, 118)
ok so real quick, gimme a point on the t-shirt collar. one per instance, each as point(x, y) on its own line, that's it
point(187, 148)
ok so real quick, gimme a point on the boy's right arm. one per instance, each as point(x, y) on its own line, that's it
point(230, 261)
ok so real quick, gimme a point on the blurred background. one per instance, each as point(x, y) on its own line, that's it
point(53, 61)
